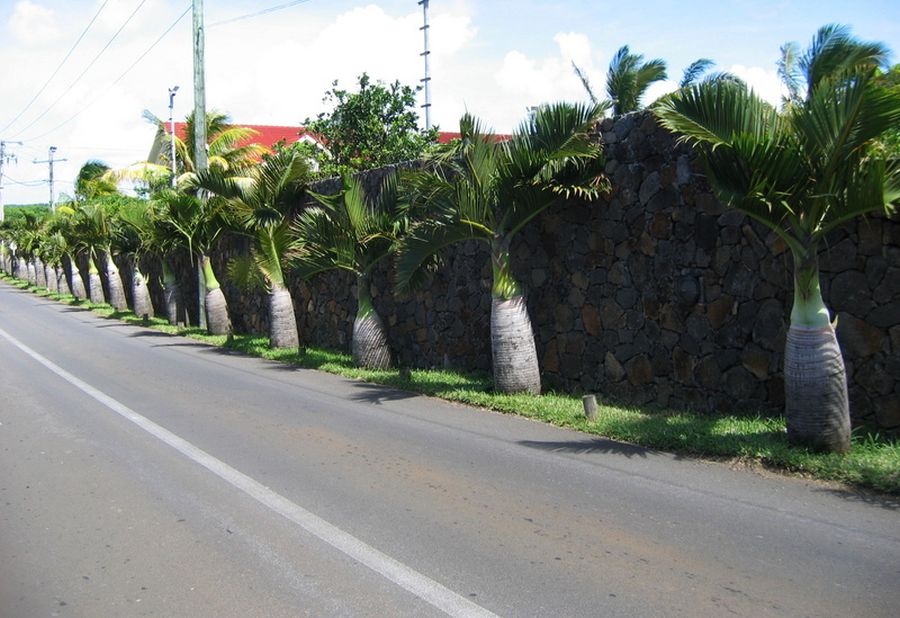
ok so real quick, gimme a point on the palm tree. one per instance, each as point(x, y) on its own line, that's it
point(802, 172)
point(93, 181)
point(489, 191)
point(197, 223)
point(354, 232)
point(134, 240)
point(96, 226)
point(263, 202)
point(629, 77)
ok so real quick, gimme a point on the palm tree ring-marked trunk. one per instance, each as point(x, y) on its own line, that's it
point(515, 363)
point(815, 384)
point(40, 275)
point(140, 293)
point(369, 344)
point(21, 271)
point(50, 276)
point(77, 284)
point(116, 288)
point(171, 293)
point(62, 284)
point(30, 273)
point(95, 285)
point(282, 320)
point(217, 321)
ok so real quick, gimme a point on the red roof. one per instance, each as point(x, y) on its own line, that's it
point(268, 135)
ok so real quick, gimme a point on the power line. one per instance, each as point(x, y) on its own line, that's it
point(49, 79)
point(257, 13)
point(87, 68)
point(116, 81)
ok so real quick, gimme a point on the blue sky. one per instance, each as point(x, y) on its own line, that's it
point(493, 58)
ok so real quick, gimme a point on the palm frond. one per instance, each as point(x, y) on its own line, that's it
point(694, 70)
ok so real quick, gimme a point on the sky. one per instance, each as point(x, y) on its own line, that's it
point(78, 74)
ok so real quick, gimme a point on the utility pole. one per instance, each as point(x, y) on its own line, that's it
point(200, 159)
point(172, 92)
point(50, 161)
point(4, 158)
point(427, 79)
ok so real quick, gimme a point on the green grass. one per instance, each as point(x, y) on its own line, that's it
point(873, 463)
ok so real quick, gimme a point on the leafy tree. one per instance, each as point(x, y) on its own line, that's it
point(488, 191)
point(802, 172)
point(370, 128)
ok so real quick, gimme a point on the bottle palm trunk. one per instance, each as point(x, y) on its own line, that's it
point(116, 288)
point(50, 277)
point(171, 293)
point(370, 344)
point(21, 271)
point(95, 285)
point(282, 320)
point(513, 352)
point(40, 275)
point(62, 284)
point(217, 320)
point(815, 380)
point(140, 293)
point(30, 273)
point(77, 284)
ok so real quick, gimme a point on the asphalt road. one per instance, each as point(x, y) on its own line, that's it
point(143, 474)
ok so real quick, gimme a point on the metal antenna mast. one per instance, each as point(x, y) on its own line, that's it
point(427, 79)
point(4, 158)
point(50, 160)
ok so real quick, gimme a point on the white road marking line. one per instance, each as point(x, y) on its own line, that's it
point(407, 578)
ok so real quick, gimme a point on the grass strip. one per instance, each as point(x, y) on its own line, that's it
point(873, 462)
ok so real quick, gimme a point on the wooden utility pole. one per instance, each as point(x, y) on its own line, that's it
point(201, 162)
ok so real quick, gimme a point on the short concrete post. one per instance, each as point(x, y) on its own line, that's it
point(590, 406)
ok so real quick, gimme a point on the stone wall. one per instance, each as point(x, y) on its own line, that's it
point(655, 295)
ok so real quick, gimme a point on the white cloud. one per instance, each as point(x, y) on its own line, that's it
point(33, 24)
point(764, 82)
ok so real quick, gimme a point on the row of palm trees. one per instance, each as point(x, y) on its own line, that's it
point(801, 170)
point(478, 188)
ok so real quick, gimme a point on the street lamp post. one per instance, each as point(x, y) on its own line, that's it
point(172, 92)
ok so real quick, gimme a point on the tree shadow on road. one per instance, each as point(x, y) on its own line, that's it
point(884, 501)
point(589, 447)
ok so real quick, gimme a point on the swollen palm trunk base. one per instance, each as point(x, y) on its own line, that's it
point(30, 276)
point(369, 345)
point(170, 294)
point(50, 276)
point(815, 385)
point(116, 289)
point(77, 285)
point(282, 321)
point(141, 295)
point(217, 322)
point(40, 274)
point(95, 289)
point(62, 284)
point(514, 354)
